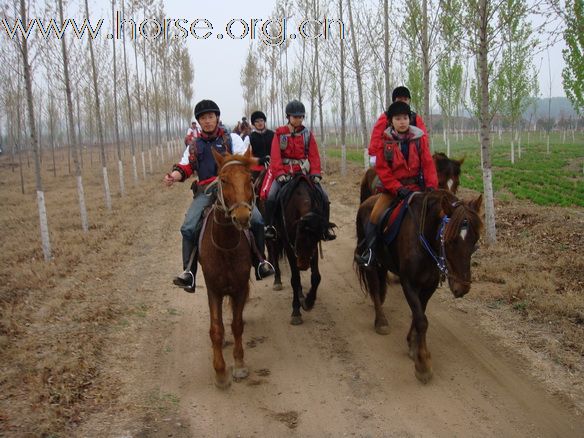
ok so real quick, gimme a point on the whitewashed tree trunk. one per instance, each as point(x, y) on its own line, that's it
point(490, 230)
point(108, 198)
point(116, 125)
point(44, 228)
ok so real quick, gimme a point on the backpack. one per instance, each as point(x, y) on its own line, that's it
point(305, 134)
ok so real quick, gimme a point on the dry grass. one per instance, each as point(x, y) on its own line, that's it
point(56, 317)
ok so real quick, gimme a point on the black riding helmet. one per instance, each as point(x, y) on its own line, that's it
point(295, 108)
point(400, 92)
point(256, 115)
point(397, 108)
point(206, 106)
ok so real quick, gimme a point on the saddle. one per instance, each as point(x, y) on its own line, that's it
point(391, 220)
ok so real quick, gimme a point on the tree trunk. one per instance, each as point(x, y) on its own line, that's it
point(75, 145)
point(129, 106)
point(343, 97)
point(106, 189)
point(44, 227)
point(490, 231)
point(116, 125)
point(358, 75)
point(386, 52)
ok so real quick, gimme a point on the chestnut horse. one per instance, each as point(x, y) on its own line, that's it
point(300, 227)
point(437, 237)
point(448, 176)
point(225, 257)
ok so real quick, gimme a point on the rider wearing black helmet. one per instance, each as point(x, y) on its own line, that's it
point(198, 157)
point(294, 150)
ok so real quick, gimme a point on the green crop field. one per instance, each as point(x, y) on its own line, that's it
point(556, 178)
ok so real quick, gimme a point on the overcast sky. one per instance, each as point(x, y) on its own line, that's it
point(218, 62)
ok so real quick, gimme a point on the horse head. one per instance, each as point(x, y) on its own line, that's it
point(460, 237)
point(235, 193)
point(448, 171)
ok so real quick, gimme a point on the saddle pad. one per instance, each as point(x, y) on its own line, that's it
point(391, 221)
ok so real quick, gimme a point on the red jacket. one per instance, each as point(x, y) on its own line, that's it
point(391, 174)
point(294, 150)
point(376, 141)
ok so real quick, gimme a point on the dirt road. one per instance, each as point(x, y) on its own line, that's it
point(331, 376)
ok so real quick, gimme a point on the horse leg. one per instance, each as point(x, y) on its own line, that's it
point(222, 379)
point(422, 359)
point(298, 296)
point(237, 304)
point(273, 257)
point(412, 334)
point(315, 277)
point(377, 289)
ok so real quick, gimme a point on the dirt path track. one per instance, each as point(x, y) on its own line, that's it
point(332, 376)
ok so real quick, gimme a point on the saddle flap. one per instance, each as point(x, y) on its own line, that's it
point(392, 219)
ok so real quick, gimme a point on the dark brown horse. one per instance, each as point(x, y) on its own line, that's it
point(225, 257)
point(300, 227)
point(437, 237)
point(448, 176)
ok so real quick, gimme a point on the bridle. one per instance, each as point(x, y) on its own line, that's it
point(441, 258)
point(220, 202)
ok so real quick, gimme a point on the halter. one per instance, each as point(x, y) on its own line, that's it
point(220, 202)
point(440, 259)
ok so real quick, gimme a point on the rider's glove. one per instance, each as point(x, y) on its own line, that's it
point(283, 179)
point(403, 193)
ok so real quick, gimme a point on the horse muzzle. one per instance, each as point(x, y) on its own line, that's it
point(459, 289)
point(241, 217)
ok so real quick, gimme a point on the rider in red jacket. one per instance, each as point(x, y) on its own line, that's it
point(404, 165)
point(294, 150)
point(399, 94)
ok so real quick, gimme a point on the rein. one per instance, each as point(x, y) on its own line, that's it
point(440, 259)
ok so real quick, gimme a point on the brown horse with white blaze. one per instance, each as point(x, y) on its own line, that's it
point(436, 240)
point(225, 257)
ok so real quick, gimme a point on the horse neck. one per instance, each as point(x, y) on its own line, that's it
point(431, 220)
point(224, 232)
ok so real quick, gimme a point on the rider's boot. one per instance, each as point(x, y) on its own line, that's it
point(186, 279)
point(270, 230)
point(367, 258)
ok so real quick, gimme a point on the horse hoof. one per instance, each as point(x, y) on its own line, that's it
point(240, 373)
point(425, 376)
point(223, 382)
point(307, 304)
point(277, 286)
point(382, 329)
point(296, 320)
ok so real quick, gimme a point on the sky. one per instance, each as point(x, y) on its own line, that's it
point(218, 62)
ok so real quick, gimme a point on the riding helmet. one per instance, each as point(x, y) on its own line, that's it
point(206, 106)
point(397, 108)
point(256, 115)
point(295, 108)
point(400, 92)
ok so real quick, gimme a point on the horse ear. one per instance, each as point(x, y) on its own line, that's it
point(248, 152)
point(446, 206)
point(461, 160)
point(219, 159)
point(476, 204)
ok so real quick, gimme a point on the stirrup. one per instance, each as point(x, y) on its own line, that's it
point(265, 269)
point(186, 280)
point(270, 232)
point(366, 259)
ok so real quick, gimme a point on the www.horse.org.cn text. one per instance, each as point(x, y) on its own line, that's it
point(270, 31)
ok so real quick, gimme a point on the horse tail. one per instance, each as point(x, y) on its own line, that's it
point(365, 189)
